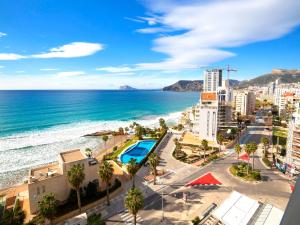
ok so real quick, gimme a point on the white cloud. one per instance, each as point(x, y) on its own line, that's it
point(48, 69)
point(2, 34)
point(70, 74)
point(153, 30)
point(11, 56)
point(119, 69)
point(72, 50)
point(209, 27)
point(20, 71)
point(150, 20)
point(2, 67)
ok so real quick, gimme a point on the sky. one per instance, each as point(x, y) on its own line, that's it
point(92, 44)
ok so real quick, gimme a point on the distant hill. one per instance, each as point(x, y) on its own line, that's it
point(191, 85)
point(285, 76)
point(126, 87)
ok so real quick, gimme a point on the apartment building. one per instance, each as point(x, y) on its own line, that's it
point(212, 80)
point(53, 178)
point(244, 102)
point(214, 108)
point(293, 140)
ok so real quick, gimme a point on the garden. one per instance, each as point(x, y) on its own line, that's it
point(244, 171)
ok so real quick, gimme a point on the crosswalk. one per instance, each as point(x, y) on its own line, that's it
point(127, 218)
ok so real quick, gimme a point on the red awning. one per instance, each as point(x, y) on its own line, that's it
point(207, 179)
point(244, 157)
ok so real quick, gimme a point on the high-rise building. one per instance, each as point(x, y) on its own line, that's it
point(214, 108)
point(212, 80)
point(244, 102)
point(293, 140)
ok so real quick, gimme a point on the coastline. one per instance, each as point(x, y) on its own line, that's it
point(14, 175)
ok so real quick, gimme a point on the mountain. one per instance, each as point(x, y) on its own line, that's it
point(285, 76)
point(127, 88)
point(191, 85)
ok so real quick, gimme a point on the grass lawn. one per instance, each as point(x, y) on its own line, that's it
point(240, 170)
point(116, 153)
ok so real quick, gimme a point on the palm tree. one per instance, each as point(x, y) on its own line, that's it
point(253, 150)
point(95, 219)
point(265, 142)
point(105, 139)
point(132, 168)
point(153, 162)
point(48, 207)
point(88, 152)
point(106, 172)
point(204, 144)
point(220, 140)
point(75, 177)
point(238, 150)
point(248, 150)
point(16, 216)
point(134, 201)
point(126, 129)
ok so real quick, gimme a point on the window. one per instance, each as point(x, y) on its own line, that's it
point(43, 189)
point(208, 115)
point(38, 190)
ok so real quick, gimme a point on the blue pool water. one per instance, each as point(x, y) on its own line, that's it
point(137, 151)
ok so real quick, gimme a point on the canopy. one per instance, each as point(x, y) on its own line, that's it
point(207, 179)
point(244, 157)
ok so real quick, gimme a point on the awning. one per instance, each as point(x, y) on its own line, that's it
point(244, 157)
point(207, 179)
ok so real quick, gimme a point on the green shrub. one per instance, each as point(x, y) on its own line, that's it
point(256, 175)
point(196, 220)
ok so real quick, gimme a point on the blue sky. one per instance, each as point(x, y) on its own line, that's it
point(147, 44)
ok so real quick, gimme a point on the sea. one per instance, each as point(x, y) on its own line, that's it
point(36, 125)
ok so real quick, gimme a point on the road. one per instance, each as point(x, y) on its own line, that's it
point(274, 188)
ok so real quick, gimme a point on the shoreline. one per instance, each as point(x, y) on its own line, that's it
point(19, 175)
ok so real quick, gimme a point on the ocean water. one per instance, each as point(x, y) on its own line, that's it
point(36, 125)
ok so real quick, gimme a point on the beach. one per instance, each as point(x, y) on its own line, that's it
point(34, 131)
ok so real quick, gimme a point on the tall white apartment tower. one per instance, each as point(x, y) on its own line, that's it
point(212, 80)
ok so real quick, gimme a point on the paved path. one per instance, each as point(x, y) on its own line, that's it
point(274, 188)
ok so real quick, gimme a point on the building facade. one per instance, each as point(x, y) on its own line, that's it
point(293, 140)
point(53, 178)
point(244, 102)
point(212, 80)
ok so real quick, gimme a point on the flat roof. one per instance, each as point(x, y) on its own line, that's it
point(237, 209)
point(44, 172)
point(72, 156)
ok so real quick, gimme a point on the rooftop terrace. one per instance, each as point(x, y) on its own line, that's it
point(71, 156)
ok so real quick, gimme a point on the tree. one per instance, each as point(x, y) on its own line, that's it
point(180, 127)
point(75, 177)
point(88, 152)
point(220, 139)
point(253, 150)
point(106, 172)
point(204, 144)
point(162, 124)
point(47, 207)
point(153, 162)
point(139, 131)
point(134, 201)
point(105, 139)
point(16, 216)
point(248, 150)
point(265, 141)
point(126, 129)
point(95, 219)
point(237, 149)
point(121, 130)
point(132, 168)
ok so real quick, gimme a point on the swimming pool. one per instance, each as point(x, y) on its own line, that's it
point(137, 151)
